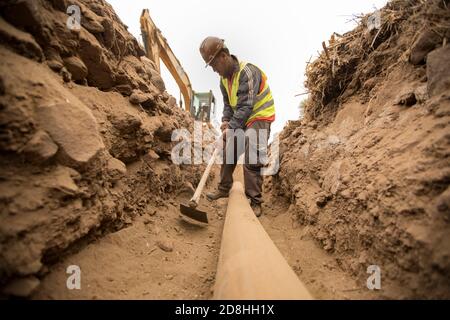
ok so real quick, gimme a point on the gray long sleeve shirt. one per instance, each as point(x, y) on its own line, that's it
point(249, 83)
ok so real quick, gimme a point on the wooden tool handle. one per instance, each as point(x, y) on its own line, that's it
point(194, 200)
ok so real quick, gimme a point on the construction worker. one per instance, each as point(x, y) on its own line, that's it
point(248, 105)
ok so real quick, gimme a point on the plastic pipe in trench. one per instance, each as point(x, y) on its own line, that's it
point(250, 265)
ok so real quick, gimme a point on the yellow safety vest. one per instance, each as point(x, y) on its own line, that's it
point(263, 106)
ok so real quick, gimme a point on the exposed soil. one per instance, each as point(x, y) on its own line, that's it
point(86, 176)
point(367, 170)
point(85, 135)
point(317, 269)
point(160, 256)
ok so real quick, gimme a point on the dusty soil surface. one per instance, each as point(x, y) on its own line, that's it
point(367, 170)
point(85, 135)
point(317, 269)
point(86, 176)
point(159, 256)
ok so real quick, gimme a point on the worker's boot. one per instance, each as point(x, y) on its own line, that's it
point(217, 194)
point(257, 208)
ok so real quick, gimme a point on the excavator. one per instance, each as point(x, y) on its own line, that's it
point(201, 105)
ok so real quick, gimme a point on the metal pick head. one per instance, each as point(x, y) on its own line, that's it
point(194, 214)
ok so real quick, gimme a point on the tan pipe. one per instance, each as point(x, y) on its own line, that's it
point(250, 265)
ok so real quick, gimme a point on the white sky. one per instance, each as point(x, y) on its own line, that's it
point(277, 36)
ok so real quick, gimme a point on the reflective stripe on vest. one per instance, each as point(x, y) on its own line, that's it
point(263, 106)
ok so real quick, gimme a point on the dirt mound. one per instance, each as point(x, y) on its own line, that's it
point(85, 132)
point(367, 170)
point(358, 61)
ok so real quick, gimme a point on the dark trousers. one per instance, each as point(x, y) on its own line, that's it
point(255, 153)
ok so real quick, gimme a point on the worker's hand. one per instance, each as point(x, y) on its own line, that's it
point(218, 144)
point(222, 140)
point(224, 126)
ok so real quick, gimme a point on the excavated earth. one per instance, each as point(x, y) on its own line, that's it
point(86, 176)
point(85, 135)
point(366, 172)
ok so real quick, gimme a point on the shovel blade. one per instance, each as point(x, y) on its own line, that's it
point(193, 213)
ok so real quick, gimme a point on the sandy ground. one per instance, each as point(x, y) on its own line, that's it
point(161, 256)
point(86, 176)
point(317, 269)
point(157, 257)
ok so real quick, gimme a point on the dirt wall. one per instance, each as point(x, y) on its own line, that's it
point(367, 169)
point(85, 132)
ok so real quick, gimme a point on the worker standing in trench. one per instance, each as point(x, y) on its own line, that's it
point(248, 105)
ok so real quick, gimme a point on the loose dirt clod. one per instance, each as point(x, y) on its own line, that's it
point(165, 245)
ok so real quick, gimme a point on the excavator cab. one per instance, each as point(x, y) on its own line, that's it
point(203, 107)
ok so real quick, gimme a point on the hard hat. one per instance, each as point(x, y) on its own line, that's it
point(210, 47)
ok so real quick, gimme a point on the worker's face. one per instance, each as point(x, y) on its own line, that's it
point(218, 64)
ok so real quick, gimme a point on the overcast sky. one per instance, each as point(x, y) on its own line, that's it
point(277, 36)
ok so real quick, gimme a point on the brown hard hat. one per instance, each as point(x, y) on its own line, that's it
point(210, 47)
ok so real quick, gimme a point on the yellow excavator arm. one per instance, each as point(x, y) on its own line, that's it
point(157, 48)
